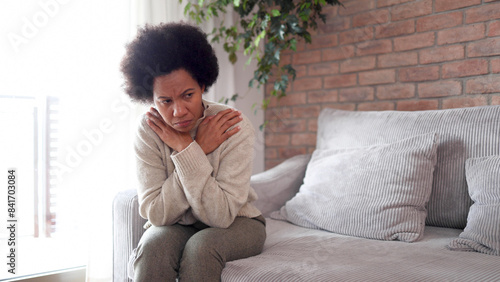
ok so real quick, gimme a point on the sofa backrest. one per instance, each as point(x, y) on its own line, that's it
point(463, 133)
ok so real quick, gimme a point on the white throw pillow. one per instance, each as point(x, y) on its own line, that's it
point(377, 192)
point(482, 233)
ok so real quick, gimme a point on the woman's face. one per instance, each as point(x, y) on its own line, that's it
point(178, 98)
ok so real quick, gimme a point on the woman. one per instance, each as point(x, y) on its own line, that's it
point(194, 161)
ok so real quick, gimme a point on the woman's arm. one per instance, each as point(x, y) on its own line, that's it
point(161, 198)
point(216, 194)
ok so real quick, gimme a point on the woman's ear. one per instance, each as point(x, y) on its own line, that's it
point(202, 89)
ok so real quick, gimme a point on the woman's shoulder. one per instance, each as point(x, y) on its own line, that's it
point(144, 131)
point(212, 108)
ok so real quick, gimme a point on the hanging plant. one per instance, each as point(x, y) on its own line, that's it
point(266, 29)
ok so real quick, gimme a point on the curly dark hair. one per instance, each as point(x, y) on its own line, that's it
point(160, 49)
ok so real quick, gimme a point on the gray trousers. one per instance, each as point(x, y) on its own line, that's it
point(194, 252)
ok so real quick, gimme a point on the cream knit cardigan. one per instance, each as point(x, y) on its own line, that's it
point(189, 186)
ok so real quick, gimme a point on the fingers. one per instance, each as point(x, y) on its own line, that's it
point(231, 132)
point(227, 118)
point(153, 126)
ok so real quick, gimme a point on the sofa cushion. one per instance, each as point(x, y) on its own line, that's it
point(482, 233)
point(294, 253)
point(376, 192)
point(463, 133)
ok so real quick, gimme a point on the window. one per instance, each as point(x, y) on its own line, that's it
point(66, 129)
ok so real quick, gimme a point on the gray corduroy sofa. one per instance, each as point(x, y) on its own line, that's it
point(386, 196)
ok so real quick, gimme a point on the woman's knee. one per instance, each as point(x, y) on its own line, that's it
point(159, 251)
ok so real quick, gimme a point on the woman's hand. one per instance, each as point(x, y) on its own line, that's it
point(173, 138)
point(214, 129)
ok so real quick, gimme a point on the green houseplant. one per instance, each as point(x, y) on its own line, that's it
point(266, 29)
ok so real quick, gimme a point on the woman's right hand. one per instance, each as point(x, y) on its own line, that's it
point(173, 138)
point(214, 130)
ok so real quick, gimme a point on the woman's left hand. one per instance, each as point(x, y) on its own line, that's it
point(215, 129)
point(174, 139)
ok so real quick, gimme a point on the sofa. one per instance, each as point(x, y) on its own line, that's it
point(385, 196)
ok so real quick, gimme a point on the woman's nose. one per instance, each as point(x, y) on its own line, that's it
point(179, 110)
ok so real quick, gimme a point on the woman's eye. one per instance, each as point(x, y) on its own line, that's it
point(166, 101)
point(189, 95)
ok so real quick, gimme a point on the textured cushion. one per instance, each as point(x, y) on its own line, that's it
point(376, 192)
point(294, 253)
point(279, 184)
point(482, 233)
point(463, 133)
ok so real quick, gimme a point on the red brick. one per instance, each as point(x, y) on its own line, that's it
point(288, 152)
point(416, 41)
point(376, 106)
point(357, 64)
point(357, 6)
point(356, 35)
point(370, 18)
point(304, 139)
point(311, 83)
point(374, 47)
point(278, 114)
point(312, 125)
point(395, 29)
point(322, 96)
point(446, 5)
point(439, 89)
point(411, 10)
point(465, 68)
point(419, 74)
point(483, 13)
point(440, 21)
point(334, 25)
point(397, 60)
point(338, 81)
point(377, 77)
point(461, 34)
point(417, 105)
point(495, 100)
point(357, 94)
point(442, 54)
point(488, 47)
point(323, 69)
point(300, 70)
point(306, 111)
point(285, 59)
point(482, 85)
point(290, 99)
point(307, 57)
point(286, 126)
point(464, 102)
point(339, 53)
point(395, 91)
point(271, 153)
point(331, 12)
point(277, 139)
point(323, 41)
point(387, 3)
point(495, 65)
point(494, 29)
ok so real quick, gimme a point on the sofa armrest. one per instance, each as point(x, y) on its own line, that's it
point(279, 184)
point(127, 231)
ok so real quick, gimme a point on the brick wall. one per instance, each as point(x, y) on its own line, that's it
point(388, 55)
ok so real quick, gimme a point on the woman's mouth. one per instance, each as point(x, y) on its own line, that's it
point(183, 124)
